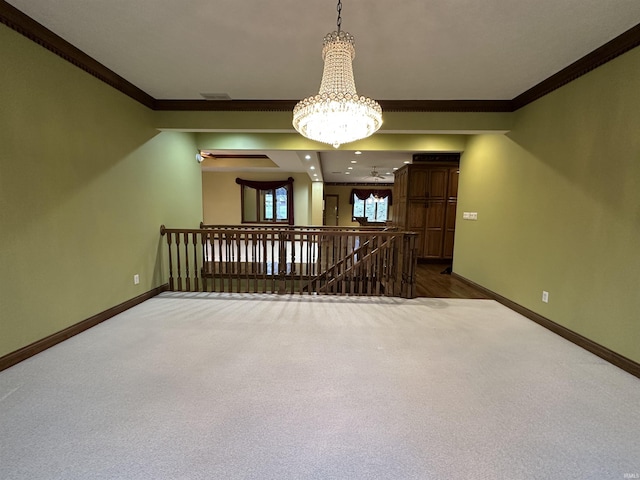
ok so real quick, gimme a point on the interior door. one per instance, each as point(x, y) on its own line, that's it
point(331, 210)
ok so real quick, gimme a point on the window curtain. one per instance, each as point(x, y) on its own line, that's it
point(273, 185)
point(364, 193)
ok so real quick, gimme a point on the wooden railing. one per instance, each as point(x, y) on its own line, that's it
point(288, 260)
point(301, 228)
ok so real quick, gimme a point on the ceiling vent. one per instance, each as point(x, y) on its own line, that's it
point(216, 96)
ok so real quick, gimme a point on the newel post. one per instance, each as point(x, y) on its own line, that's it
point(409, 261)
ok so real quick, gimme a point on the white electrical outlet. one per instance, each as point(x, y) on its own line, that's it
point(136, 279)
point(545, 296)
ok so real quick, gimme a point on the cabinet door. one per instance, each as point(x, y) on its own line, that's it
point(454, 173)
point(399, 213)
point(450, 229)
point(435, 228)
point(416, 222)
point(418, 182)
point(438, 182)
point(400, 184)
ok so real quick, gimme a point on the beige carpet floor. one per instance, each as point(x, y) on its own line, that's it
point(222, 386)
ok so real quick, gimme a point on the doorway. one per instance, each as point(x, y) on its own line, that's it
point(331, 217)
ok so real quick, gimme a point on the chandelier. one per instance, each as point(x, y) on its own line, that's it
point(337, 115)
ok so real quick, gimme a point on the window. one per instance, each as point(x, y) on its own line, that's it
point(267, 202)
point(372, 205)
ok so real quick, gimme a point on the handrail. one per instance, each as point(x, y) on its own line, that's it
point(298, 260)
point(298, 227)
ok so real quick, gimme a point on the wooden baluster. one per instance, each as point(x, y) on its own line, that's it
point(282, 262)
point(393, 267)
point(226, 264)
point(178, 262)
point(261, 262)
point(376, 265)
point(250, 262)
point(274, 263)
point(238, 269)
point(204, 246)
point(196, 270)
point(242, 240)
point(171, 282)
point(186, 262)
point(382, 281)
point(361, 275)
point(412, 260)
point(350, 265)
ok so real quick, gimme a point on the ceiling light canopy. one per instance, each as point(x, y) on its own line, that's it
point(337, 115)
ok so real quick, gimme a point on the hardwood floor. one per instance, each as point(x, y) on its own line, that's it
point(431, 282)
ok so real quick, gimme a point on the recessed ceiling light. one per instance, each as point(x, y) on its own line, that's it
point(358, 152)
point(347, 173)
point(407, 161)
point(354, 161)
point(315, 174)
point(395, 168)
point(350, 168)
point(308, 157)
point(312, 167)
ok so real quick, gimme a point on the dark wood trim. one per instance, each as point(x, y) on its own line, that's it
point(449, 158)
point(357, 184)
point(30, 350)
point(15, 19)
point(610, 356)
point(610, 50)
point(446, 105)
point(25, 25)
point(288, 105)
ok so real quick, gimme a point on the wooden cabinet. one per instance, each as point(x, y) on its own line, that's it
point(424, 201)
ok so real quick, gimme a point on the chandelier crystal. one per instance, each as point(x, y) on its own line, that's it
point(337, 115)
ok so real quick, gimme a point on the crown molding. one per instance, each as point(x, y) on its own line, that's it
point(607, 52)
point(226, 105)
point(25, 25)
point(288, 105)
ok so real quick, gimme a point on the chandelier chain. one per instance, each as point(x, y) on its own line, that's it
point(339, 22)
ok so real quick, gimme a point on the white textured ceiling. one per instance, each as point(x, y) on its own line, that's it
point(271, 50)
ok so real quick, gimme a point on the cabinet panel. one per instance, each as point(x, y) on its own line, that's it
point(418, 182)
point(454, 174)
point(450, 229)
point(416, 215)
point(435, 228)
point(438, 182)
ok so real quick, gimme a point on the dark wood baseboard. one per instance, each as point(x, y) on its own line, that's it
point(610, 356)
point(30, 350)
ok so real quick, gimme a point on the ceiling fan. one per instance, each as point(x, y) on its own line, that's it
point(375, 174)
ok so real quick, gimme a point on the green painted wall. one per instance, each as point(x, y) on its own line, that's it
point(86, 180)
point(221, 196)
point(379, 142)
point(558, 202)
point(451, 122)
